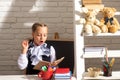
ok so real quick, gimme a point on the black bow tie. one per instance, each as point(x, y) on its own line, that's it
point(108, 19)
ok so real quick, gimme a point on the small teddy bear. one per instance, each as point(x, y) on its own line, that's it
point(109, 23)
point(91, 24)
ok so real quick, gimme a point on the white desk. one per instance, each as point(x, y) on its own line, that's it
point(23, 77)
point(115, 75)
point(19, 77)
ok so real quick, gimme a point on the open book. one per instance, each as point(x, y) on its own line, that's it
point(46, 63)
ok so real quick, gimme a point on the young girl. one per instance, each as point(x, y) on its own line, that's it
point(36, 49)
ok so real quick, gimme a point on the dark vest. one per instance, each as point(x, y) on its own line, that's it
point(29, 69)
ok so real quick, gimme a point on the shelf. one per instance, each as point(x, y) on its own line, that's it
point(79, 56)
point(111, 53)
point(115, 75)
point(105, 34)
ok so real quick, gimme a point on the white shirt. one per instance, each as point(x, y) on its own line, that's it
point(36, 51)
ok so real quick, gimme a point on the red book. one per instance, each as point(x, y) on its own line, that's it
point(62, 70)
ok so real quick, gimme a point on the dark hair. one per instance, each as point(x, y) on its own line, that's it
point(35, 25)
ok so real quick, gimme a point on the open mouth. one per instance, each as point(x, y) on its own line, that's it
point(41, 41)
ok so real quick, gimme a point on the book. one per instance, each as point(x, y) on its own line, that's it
point(62, 73)
point(91, 1)
point(46, 63)
point(62, 70)
point(94, 6)
point(62, 77)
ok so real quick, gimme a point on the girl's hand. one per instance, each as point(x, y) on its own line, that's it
point(25, 46)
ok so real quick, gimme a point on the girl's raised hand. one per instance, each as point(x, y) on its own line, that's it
point(25, 46)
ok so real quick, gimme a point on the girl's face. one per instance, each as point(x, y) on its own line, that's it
point(40, 35)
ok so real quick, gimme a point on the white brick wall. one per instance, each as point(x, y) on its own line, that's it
point(17, 16)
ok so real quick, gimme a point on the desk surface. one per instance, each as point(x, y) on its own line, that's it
point(19, 77)
point(23, 77)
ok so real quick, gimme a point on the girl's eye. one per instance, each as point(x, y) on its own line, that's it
point(45, 35)
point(38, 35)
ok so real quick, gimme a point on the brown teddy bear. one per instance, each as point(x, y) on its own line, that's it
point(90, 22)
point(109, 23)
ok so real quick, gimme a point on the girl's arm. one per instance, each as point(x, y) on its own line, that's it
point(22, 61)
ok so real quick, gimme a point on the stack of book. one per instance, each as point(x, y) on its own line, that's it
point(62, 74)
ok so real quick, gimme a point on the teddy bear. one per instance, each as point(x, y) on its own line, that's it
point(109, 24)
point(91, 23)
